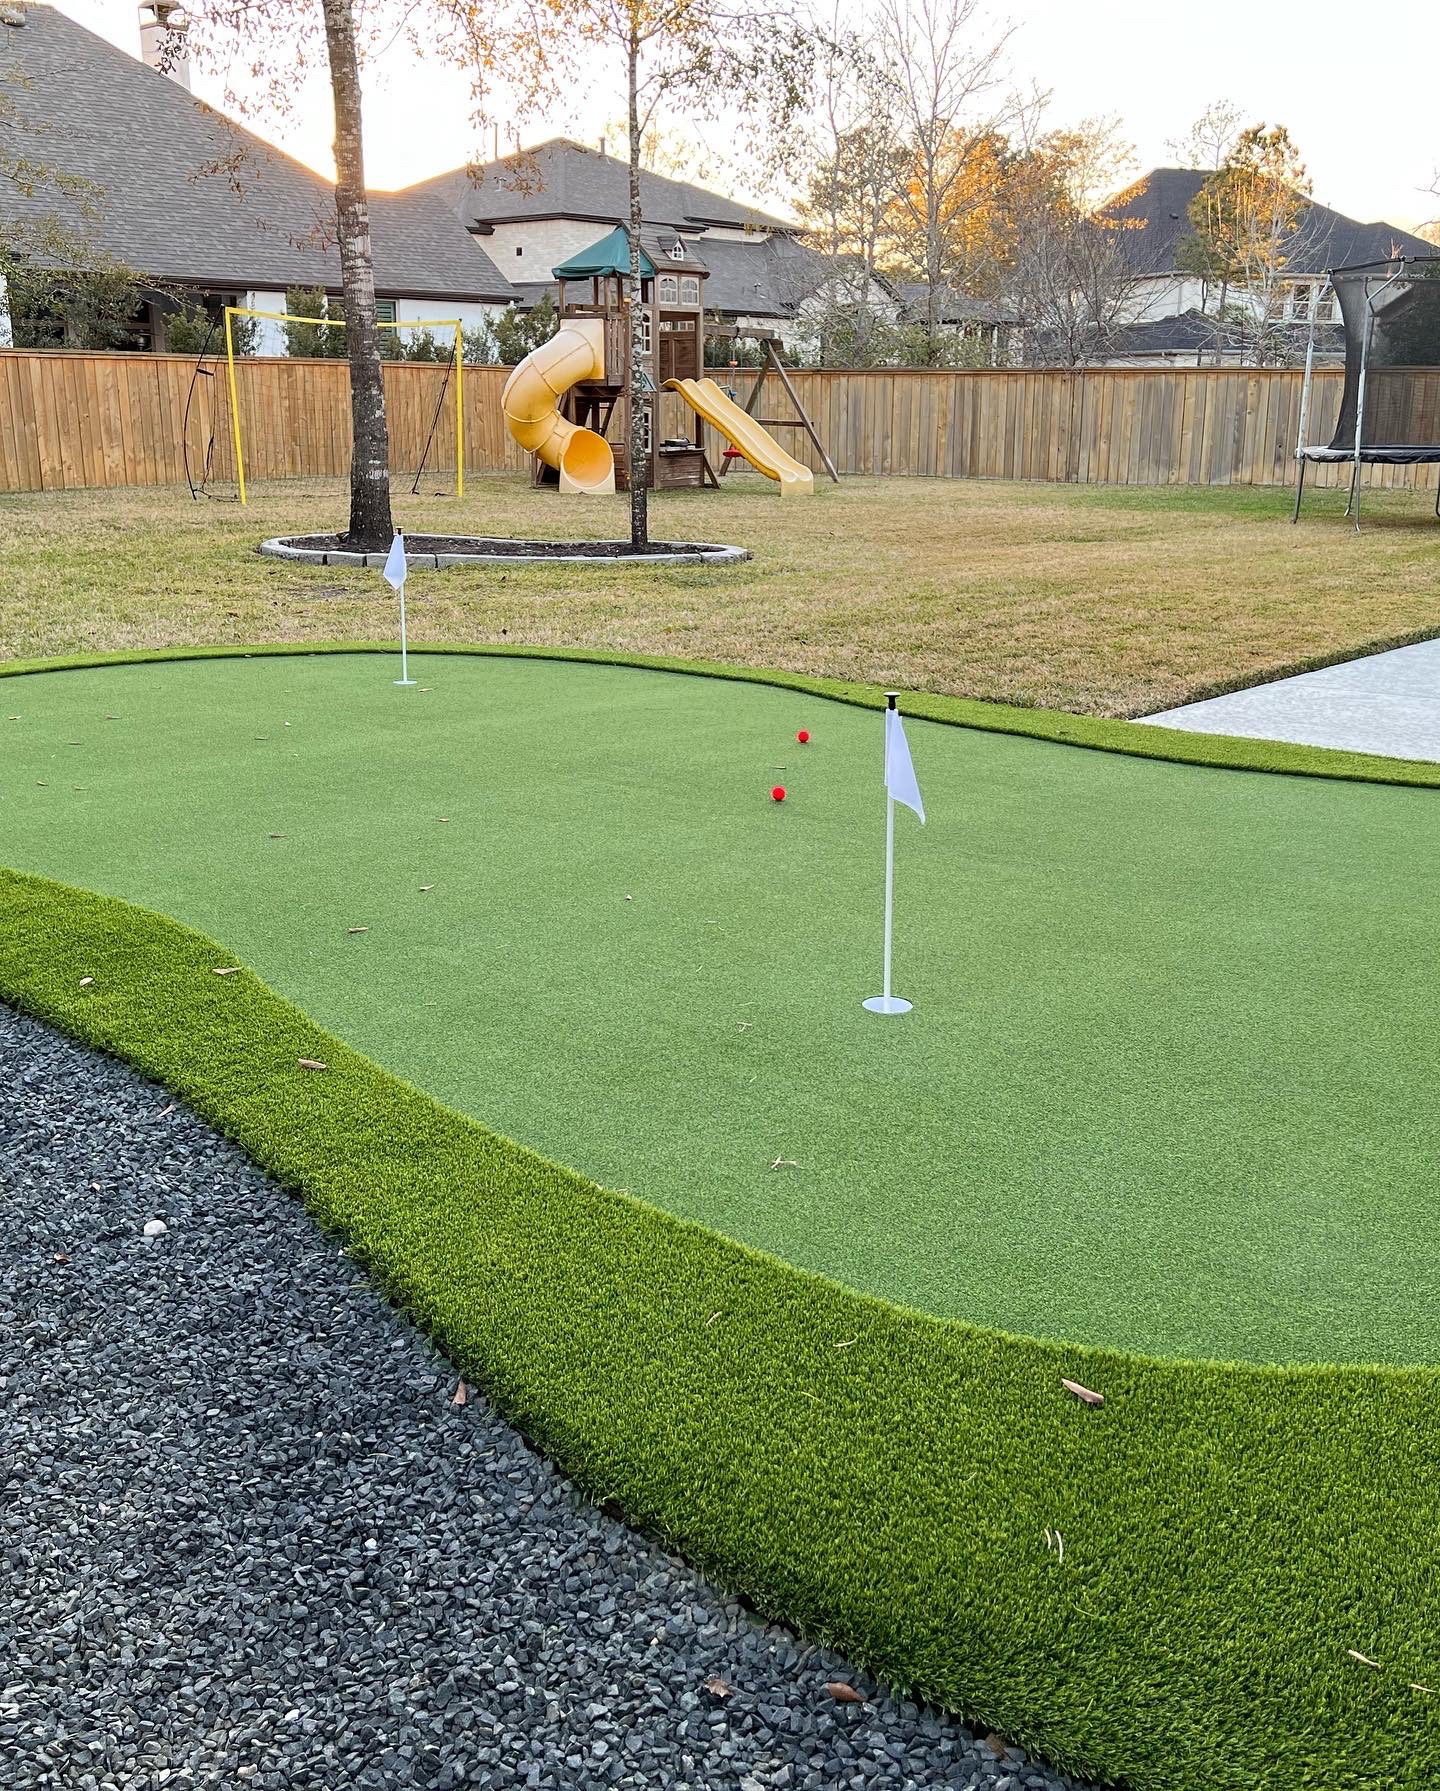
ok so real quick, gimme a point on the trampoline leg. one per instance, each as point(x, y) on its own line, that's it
point(1437, 497)
point(1300, 492)
point(1352, 503)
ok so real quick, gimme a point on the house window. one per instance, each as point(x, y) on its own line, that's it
point(384, 310)
point(1301, 300)
point(689, 290)
point(519, 249)
point(669, 289)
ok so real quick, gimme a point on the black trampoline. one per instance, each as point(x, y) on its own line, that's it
point(1390, 408)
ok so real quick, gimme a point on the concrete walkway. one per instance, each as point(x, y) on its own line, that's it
point(1385, 703)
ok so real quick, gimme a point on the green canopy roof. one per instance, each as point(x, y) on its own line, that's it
point(611, 255)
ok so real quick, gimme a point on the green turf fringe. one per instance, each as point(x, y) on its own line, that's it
point(1097, 733)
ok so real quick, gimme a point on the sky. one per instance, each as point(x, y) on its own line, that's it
point(1360, 104)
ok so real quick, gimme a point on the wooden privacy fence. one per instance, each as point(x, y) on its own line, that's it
point(70, 419)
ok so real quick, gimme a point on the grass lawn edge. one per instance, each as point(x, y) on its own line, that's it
point(1225, 752)
point(889, 1482)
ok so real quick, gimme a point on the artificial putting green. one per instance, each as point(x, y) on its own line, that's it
point(1223, 1579)
point(1168, 1082)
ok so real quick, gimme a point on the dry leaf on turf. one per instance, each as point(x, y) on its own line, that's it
point(85, 981)
point(843, 1693)
point(1087, 1394)
point(357, 929)
point(226, 969)
point(996, 1745)
point(460, 1395)
point(311, 1063)
point(64, 1256)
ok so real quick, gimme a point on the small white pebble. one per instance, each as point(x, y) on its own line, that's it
point(371, 1545)
point(155, 1228)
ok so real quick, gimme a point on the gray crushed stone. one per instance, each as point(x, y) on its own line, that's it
point(248, 1539)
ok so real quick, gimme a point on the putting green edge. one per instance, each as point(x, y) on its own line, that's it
point(1224, 752)
point(881, 1479)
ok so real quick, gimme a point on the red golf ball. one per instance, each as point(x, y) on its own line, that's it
point(803, 736)
point(778, 793)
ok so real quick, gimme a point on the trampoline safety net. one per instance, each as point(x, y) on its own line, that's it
point(1391, 312)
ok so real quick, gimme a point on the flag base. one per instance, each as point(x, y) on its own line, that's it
point(404, 680)
point(887, 1004)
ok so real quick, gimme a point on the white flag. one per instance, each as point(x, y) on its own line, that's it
point(899, 771)
point(395, 562)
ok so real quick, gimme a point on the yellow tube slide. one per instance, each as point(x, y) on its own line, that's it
point(741, 430)
point(531, 401)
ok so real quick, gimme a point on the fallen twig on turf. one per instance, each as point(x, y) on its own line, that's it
point(311, 1063)
point(1087, 1394)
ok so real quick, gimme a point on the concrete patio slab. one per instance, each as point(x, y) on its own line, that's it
point(1385, 703)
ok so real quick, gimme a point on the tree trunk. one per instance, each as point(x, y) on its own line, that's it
point(371, 525)
point(639, 457)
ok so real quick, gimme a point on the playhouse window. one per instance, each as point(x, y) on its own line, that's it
point(669, 287)
point(689, 290)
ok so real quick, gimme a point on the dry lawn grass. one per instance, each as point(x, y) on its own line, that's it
point(1105, 600)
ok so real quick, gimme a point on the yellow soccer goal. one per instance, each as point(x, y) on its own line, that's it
point(457, 362)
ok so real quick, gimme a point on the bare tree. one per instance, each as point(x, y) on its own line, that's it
point(278, 42)
point(1074, 274)
point(1210, 138)
point(947, 62)
point(860, 162)
point(1245, 220)
point(690, 57)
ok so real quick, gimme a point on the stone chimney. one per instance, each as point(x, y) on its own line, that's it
point(163, 42)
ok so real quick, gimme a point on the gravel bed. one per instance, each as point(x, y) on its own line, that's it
point(247, 1538)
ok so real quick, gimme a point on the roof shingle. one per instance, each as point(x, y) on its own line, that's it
point(184, 193)
point(1158, 206)
point(565, 179)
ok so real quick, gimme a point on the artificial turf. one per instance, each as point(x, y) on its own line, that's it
point(1224, 1579)
point(1166, 1087)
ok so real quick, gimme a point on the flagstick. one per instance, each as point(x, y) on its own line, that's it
point(888, 1003)
point(889, 885)
point(404, 677)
